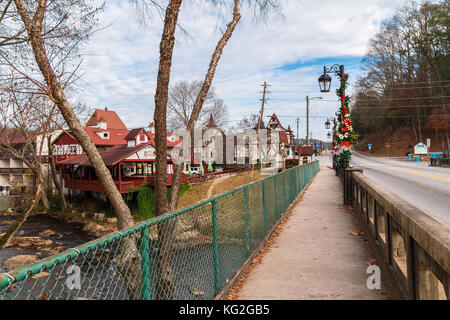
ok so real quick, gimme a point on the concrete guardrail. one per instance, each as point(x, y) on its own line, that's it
point(414, 247)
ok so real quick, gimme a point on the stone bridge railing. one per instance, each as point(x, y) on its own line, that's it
point(440, 162)
point(414, 247)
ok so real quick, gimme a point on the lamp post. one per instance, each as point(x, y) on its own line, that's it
point(327, 124)
point(307, 116)
point(345, 134)
point(325, 79)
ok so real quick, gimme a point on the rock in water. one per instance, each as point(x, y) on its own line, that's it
point(188, 235)
point(19, 262)
point(112, 220)
point(94, 228)
point(47, 233)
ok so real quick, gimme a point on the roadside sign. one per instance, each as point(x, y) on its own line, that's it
point(388, 145)
point(428, 143)
point(370, 146)
point(420, 148)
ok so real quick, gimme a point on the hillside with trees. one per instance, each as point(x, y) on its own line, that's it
point(403, 96)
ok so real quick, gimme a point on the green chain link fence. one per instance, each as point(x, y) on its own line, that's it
point(191, 253)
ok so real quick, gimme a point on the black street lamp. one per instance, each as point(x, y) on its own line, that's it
point(325, 79)
point(329, 135)
point(325, 83)
point(327, 124)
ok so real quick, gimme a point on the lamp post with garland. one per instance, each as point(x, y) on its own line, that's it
point(343, 134)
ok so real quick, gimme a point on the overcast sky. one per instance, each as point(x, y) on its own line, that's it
point(121, 61)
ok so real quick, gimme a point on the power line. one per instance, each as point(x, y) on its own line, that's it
point(420, 115)
point(319, 117)
point(410, 88)
point(374, 100)
point(323, 117)
point(393, 99)
point(416, 82)
point(395, 107)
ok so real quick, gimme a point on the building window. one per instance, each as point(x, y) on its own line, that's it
point(72, 149)
point(105, 135)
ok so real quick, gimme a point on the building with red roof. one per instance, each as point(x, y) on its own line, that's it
point(105, 119)
point(14, 173)
point(130, 166)
point(287, 137)
point(305, 153)
point(129, 154)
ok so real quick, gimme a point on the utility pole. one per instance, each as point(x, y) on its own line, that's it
point(298, 123)
point(265, 85)
point(307, 117)
point(307, 120)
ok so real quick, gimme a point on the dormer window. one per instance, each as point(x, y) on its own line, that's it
point(101, 124)
point(105, 135)
point(131, 143)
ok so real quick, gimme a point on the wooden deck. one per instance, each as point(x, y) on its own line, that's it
point(124, 186)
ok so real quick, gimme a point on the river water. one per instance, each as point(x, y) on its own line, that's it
point(193, 267)
point(68, 235)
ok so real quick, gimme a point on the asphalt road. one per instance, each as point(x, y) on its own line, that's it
point(425, 187)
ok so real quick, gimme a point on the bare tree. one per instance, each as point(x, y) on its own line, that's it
point(406, 73)
point(181, 101)
point(247, 122)
point(166, 281)
point(51, 38)
point(22, 137)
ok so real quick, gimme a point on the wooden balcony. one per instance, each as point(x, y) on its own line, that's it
point(124, 186)
point(16, 171)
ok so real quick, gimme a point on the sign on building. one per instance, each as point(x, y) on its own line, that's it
point(420, 148)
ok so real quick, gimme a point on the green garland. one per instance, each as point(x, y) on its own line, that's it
point(344, 135)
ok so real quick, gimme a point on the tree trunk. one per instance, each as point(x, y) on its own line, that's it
point(418, 124)
point(448, 141)
point(202, 96)
point(58, 187)
point(40, 179)
point(161, 97)
point(166, 280)
point(414, 129)
point(56, 94)
point(128, 262)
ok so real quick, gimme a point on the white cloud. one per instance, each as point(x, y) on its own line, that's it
point(122, 60)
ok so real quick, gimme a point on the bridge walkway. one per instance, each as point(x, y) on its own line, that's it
point(319, 254)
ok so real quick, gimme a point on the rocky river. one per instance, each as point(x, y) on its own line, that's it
point(42, 236)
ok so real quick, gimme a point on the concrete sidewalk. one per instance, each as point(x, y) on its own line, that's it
point(315, 256)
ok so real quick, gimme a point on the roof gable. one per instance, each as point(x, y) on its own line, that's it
point(111, 118)
point(274, 118)
point(134, 132)
point(305, 150)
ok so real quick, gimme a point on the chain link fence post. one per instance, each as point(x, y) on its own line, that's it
point(247, 221)
point(145, 265)
point(263, 190)
point(275, 195)
point(215, 245)
point(284, 192)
